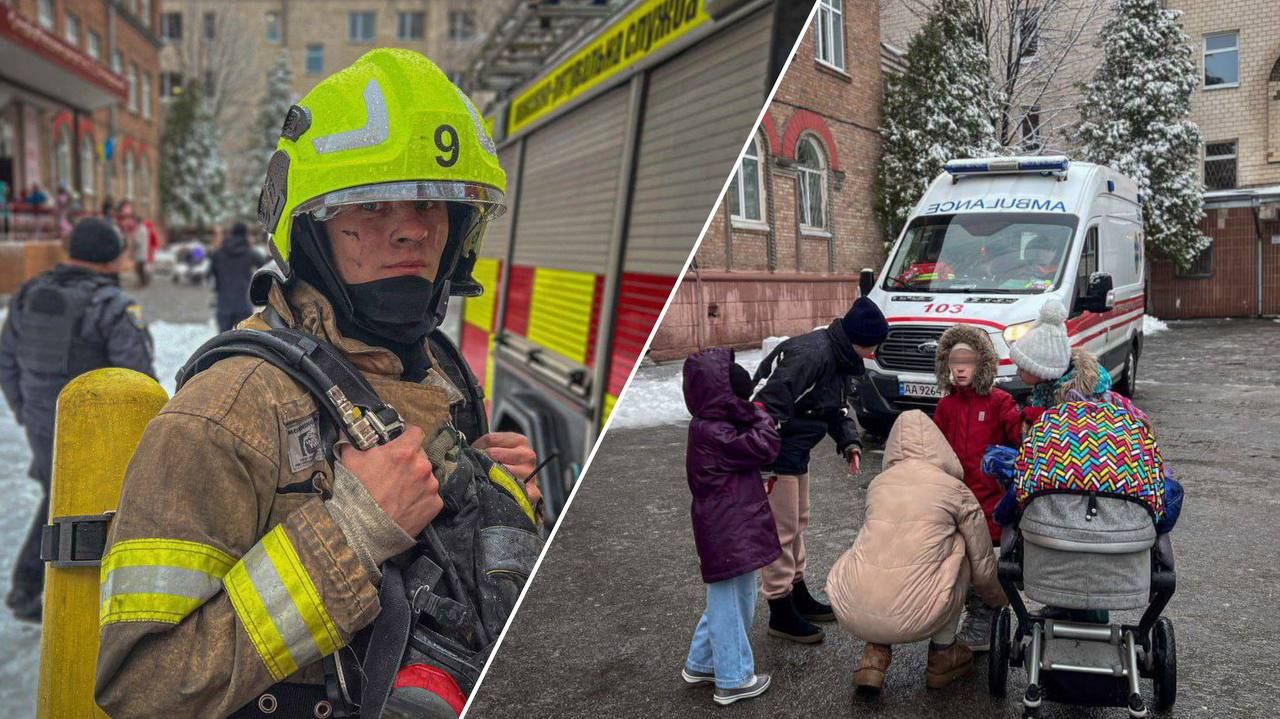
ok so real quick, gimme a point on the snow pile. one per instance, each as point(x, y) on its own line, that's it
point(1151, 325)
point(655, 397)
point(174, 344)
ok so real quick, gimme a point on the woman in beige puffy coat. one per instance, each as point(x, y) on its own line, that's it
point(905, 577)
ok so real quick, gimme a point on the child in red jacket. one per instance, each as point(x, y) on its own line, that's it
point(973, 415)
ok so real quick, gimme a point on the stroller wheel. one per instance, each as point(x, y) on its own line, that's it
point(1165, 667)
point(998, 657)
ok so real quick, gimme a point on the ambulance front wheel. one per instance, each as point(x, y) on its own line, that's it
point(1128, 384)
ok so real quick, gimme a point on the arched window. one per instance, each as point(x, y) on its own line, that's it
point(133, 87)
point(62, 156)
point(87, 158)
point(812, 177)
point(746, 192)
point(128, 175)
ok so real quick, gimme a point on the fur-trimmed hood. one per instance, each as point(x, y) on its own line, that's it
point(984, 377)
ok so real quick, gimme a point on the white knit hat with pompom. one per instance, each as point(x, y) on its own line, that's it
point(1044, 350)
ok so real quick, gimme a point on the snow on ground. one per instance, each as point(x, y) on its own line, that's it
point(20, 658)
point(1151, 325)
point(655, 398)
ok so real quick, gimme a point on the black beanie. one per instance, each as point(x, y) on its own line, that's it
point(864, 323)
point(740, 381)
point(95, 240)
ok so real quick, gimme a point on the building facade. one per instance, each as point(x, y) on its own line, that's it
point(783, 250)
point(78, 110)
point(1237, 106)
point(228, 47)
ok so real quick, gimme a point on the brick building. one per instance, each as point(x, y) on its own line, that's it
point(783, 251)
point(78, 108)
point(1237, 44)
point(228, 47)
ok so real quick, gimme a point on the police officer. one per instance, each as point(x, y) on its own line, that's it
point(242, 555)
point(67, 321)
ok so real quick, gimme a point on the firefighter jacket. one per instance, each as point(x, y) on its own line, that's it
point(240, 556)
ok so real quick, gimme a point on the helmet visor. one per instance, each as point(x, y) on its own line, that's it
point(487, 201)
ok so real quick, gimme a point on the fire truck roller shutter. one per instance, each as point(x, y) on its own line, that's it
point(572, 169)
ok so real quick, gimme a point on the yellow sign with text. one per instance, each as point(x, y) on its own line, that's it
point(649, 27)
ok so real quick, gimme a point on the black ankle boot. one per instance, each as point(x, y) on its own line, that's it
point(808, 607)
point(786, 623)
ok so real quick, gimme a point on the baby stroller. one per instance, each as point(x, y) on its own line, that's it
point(1080, 549)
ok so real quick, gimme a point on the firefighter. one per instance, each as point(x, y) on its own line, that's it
point(67, 321)
point(240, 555)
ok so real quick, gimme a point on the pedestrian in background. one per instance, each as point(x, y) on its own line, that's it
point(67, 321)
point(136, 238)
point(232, 266)
point(729, 441)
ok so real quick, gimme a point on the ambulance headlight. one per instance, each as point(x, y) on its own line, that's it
point(1013, 333)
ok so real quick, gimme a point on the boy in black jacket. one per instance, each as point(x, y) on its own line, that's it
point(807, 395)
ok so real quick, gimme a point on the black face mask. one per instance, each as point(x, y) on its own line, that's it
point(396, 308)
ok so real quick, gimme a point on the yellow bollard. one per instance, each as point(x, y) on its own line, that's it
point(101, 416)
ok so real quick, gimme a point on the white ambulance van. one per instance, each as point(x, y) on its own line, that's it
point(990, 242)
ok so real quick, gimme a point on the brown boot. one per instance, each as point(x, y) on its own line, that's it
point(868, 679)
point(949, 664)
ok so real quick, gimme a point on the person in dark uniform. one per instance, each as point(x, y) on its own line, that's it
point(67, 321)
point(233, 265)
point(807, 394)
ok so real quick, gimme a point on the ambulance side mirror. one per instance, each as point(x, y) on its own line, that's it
point(866, 281)
point(1098, 298)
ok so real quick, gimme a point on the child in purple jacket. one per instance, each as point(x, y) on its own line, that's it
point(730, 439)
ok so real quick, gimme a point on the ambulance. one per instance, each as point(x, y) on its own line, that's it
point(990, 242)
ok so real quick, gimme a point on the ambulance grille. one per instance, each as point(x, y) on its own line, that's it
point(901, 349)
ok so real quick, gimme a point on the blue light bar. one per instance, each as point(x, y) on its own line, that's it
point(1054, 164)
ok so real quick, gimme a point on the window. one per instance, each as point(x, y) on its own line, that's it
point(813, 186)
point(94, 45)
point(746, 192)
point(144, 186)
point(87, 158)
point(170, 84)
point(360, 26)
point(273, 27)
point(71, 29)
point(133, 87)
point(1027, 27)
point(462, 25)
point(1031, 141)
point(1201, 266)
point(409, 25)
point(315, 59)
point(830, 33)
point(210, 85)
point(1222, 60)
point(44, 11)
point(210, 26)
point(128, 176)
point(1220, 165)
point(1088, 265)
point(144, 12)
point(146, 96)
point(62, 156)
point(117, 63)
point(171, 26)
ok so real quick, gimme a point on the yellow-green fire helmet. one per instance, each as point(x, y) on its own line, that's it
point(391, 127)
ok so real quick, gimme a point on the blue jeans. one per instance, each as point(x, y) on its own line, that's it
point(720, 642)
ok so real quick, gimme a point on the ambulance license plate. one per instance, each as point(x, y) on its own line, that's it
point(919, 389)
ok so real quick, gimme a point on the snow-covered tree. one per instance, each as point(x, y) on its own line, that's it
point(1134, 118)
point(276, 101)
point(193, 177)
point(943, 107)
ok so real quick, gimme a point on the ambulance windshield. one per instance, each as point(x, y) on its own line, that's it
point(1001, 252)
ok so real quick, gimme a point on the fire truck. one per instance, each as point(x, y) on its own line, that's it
point(615, 153)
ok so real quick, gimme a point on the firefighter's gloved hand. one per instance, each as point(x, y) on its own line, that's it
point(512, 450)
point(398, 476)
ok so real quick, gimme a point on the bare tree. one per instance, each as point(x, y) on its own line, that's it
point(218, 52)
point(1041, 52)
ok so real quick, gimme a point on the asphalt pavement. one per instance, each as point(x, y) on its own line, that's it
point(605, 626)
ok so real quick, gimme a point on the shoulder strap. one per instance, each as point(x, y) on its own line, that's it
point(349, 402)
point(459, 372)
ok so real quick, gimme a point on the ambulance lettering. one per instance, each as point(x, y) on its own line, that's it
point(995, 203)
